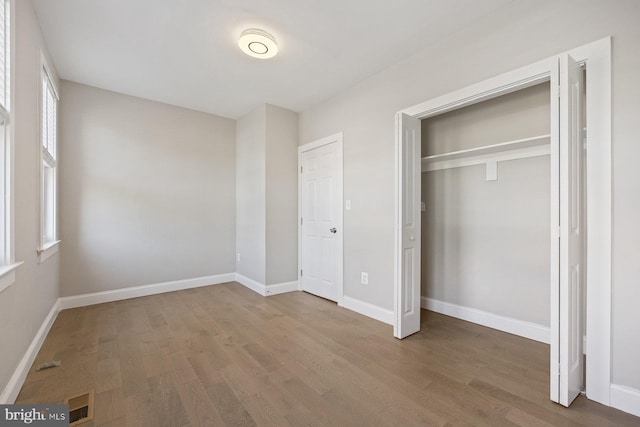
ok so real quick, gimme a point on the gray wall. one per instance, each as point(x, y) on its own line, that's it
point(266, 196)
point(251, 195)
point(26, 303)
point(496, 44)
point(147, 192)
point(485, 244)
point(281, 195)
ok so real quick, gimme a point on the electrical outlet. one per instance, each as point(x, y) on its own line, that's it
point(364, 278)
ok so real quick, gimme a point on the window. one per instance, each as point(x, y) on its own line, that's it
point(48, 139)
point(7, 264)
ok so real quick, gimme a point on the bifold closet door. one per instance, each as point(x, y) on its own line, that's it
point(407, 298)
point(572, 267)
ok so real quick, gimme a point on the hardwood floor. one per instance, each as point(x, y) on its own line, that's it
point(223, 355)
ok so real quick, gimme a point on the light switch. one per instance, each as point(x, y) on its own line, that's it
point(347, 205)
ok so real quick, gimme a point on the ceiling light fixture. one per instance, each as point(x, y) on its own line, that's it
point(258, 44)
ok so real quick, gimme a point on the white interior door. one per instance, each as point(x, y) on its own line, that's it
point(407, 298)
point(321, 219)
point(572, 267)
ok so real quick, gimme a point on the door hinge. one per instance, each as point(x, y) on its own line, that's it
point(301, 221)
point(558, 369)
point(300, 169)
point(300, 272)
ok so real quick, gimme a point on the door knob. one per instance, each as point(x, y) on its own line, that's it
point(333, 230)
point(412, 238)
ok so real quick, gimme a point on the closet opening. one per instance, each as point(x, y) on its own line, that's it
point(486, 223)
point(580, 213)
point(487, 227)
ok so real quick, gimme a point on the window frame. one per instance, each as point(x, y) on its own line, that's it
point(47, 182)
point(8, 265)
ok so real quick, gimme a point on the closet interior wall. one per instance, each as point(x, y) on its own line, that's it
point(485, 243)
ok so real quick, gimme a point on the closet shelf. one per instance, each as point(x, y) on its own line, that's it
point(534, 141)
point(489, 155)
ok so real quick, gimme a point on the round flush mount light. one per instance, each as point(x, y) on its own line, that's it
point(258, 44)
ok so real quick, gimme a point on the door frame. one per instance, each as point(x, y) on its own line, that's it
point(337, 139)
point(596, 57)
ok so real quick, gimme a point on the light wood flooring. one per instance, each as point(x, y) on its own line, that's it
point(223, 355)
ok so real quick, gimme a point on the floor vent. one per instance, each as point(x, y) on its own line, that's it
point(80, 408)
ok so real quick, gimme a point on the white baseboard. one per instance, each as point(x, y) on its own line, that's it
point(16, 381)
point(522, 328)
point(281, 288)
point(266, 290)
point(626, 399)
point(177, 285)
point(142, 291)
point(369, 310)
point(254, 285)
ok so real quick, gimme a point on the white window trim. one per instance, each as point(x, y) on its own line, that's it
point(8, 275)
point(8, 265)
point(6, 204)
point(46, 250)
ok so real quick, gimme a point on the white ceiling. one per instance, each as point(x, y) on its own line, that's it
point(185, 52)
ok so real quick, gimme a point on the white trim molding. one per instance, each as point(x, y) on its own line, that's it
point(266, 290)
point(375, 312)
point(281, 288)
point(142, 291)
point(8, 275)
point(254, 285)
point(361, 307)
point(518, 327)
point(597, 57)
point(626, 399)
point(47, 243)
point(48, 250)
point(16, 381)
